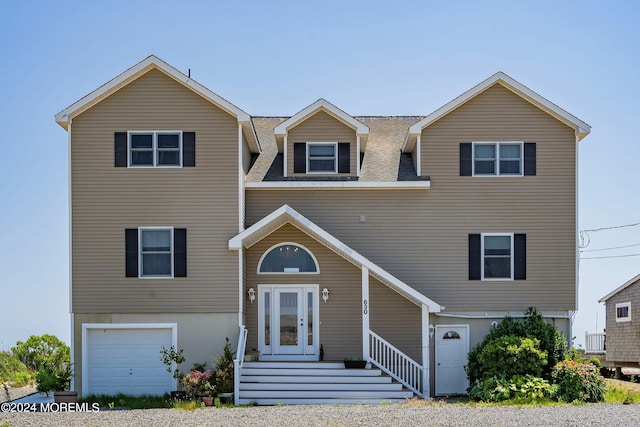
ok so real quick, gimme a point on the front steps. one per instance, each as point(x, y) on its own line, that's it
point(307, 383)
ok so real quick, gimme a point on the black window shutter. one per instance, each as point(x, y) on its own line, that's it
point(520, 256)
point(120, 148)
point(131, 251)
point(465, 159)
point(344, 161)
point(529, 158)
point(475, 258)
point(179, 252)
point(188, 149)
point(299, 157)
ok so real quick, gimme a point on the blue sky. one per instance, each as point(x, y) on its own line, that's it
point(274, 58)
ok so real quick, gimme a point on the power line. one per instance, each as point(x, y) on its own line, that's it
point(612, 256)
point(585, 238)
point(615, 247)
point(611, 228)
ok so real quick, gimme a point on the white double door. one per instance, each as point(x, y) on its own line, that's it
point(288, 321)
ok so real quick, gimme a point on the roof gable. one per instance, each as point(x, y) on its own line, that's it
point(320, 105)
point(286, 214)
point(582, 129)
point(627, 284)
point(64, 117)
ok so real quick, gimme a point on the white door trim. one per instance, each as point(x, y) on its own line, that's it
point(269, 352)
point(438, 330)
point(87, 326)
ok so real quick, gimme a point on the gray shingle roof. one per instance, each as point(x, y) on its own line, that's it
point(382, 160)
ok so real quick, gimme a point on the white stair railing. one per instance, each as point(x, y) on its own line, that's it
point(238, 362)
point(594, 342)
point(395, 363)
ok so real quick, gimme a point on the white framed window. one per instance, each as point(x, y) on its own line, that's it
point(497, 256)
point(498, 158)
point(155, 252)
point(154, 148)
point(623, 312)
point(322, 157)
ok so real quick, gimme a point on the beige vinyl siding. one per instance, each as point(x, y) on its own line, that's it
point(322, 127)
point(421, 236)
point(340, 318)
point(404, 331)
point(246, 155)
point(106, 200)
point(623, 338)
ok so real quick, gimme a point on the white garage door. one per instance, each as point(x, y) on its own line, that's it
point(127, 361)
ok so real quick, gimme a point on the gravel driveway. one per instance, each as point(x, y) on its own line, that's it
point(345, 415)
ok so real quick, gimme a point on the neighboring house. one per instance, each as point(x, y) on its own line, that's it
point(395, 239)
point(623, 328)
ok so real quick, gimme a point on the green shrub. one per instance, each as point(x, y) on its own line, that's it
point(510, 356)
point(520, 387)
point(38, 350)
point(53, 377)
point(551, 342)
point(13, 371)
point(595, 362)
point(577, 381)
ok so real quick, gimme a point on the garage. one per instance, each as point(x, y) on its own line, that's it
point(126, 359)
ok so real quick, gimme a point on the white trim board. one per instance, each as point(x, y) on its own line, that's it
point(620, 288)
point(338, 185)
point(582, 129)
point(286, 214)
point(283, 128)
point(64, 117)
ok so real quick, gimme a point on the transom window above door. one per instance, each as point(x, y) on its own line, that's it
point(288, 258)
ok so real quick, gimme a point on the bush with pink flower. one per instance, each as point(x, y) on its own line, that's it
point(199, 383)
point(578, 381)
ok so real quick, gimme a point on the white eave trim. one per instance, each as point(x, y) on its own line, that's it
point(133, 73)
point(305, 225)
point(320, 105)
point(338, 185)
point(626, 285)
point(582, 129)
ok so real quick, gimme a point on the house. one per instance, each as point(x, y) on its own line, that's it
point(622, 330)
point(320, 235)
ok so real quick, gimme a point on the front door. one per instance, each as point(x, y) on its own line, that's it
point(452, 347)
point(288, 322)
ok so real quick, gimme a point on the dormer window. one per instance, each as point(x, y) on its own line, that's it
point(322, 157)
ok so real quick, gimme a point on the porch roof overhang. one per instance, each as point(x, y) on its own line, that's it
point(286, 214)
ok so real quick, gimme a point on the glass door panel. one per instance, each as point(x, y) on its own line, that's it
point(289, 318)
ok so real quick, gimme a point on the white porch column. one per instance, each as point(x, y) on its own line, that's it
point(425, 352)
point(365, 313)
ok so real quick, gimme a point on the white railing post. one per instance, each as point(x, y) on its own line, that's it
point(238, 362)
point(365, 313)
point(426, 387)
point(397, 364)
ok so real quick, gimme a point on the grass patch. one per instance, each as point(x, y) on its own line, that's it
point(187, 405)
point(622, 392)
point(13, 371)
point(123, 401)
